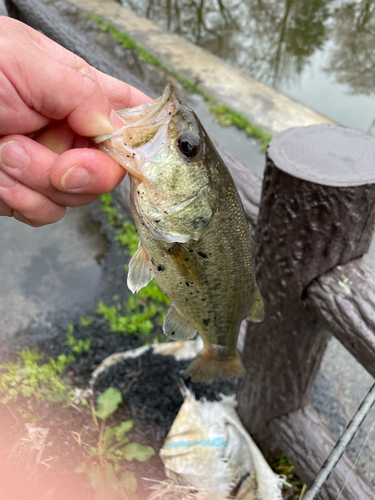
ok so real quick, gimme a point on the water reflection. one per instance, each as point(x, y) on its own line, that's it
point(274, 40)
point(353, 57)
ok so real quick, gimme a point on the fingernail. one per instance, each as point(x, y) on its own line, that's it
point(75, 178)
point(14, 155)
point(116, 121)
point(6, 181)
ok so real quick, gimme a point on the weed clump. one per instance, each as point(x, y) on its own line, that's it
point(106, 459)
point(29, 377)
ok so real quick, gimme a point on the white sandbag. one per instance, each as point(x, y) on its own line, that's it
point(209, 451)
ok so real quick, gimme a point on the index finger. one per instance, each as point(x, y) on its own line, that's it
point(53, 83)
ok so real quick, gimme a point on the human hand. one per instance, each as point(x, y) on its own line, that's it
point(51, 101)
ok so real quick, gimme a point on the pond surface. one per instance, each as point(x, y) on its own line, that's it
point(320, 52)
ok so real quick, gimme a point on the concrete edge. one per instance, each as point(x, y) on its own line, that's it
point(264, 106)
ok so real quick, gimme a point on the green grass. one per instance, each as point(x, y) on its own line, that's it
point(79, 346)
point(225, 115)
point(125, 41)
point(30, 377)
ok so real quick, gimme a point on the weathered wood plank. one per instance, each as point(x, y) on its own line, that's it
point(307, 442)
point(344, 297)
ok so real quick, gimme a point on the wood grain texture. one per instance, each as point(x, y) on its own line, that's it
point(304, 229)
point(307, 442)
point(326, 154)
point(344, 298)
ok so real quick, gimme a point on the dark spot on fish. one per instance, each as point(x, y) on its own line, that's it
point(128, 157)
point(138, 192)
point(172, 333)
point(197, 291)
point(203, 300)
point(131, 137)
point(165, 212)
point(161, 267)
point(187, 300)
point(191, 251)
point(187, 283)
point(206, 321)
point(157, 221)
point(170, 113)
point(202, 255)
point(187, 259)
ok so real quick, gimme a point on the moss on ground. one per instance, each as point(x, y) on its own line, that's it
point(225, 115)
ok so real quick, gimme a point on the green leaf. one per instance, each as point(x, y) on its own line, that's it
point(112, 480)
point(137, 451)
point(123, 428)
point(81, 468)
point(129, 481)
point(108, 403)
point(95, 477)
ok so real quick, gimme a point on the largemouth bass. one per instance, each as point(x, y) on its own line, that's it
point(194, 238)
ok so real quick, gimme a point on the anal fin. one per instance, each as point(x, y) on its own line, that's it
point(176, 327)
point(257, 309)
point(139, 271)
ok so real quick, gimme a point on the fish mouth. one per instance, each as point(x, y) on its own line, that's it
point(141, 125)
point(145, 119)
point(154, 110)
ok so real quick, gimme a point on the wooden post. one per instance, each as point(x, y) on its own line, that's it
point(317, 211)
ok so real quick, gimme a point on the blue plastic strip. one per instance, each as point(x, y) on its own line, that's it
point(218, 442)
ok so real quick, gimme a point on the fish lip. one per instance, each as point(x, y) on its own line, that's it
point(149, 112)
point(160, 102)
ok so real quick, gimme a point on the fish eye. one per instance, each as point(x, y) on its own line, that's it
point(188, 144)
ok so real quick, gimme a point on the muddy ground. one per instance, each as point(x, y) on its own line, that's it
point(152, 402)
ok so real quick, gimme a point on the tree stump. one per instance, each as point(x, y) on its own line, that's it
point(317, 210)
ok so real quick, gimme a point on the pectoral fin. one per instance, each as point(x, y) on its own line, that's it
point(176, 327)
point(257, 309)
point(139, 270)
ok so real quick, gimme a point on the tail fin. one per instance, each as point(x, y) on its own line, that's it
point(208, 367)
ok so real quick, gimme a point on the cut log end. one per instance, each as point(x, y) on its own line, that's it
point(325, 154)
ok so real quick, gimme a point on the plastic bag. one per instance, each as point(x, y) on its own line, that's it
point(208, 451)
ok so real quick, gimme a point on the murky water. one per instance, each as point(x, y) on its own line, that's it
point(320, 52)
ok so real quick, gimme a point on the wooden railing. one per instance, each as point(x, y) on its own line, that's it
point(313, 218)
